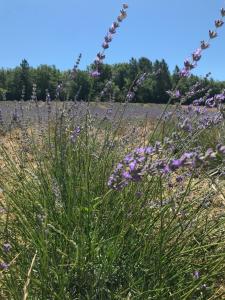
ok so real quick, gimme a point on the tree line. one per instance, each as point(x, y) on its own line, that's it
point(114, 83)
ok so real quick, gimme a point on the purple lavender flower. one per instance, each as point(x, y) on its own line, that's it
point(132, 165)
point(212, 34)
point(179, 179)
point(175, 164)
point(210, 154)
point(219, 23)
point(100, 55)
point(210, 102)
point(130, 96)
point(112, 29)
point(75, 134)
point(95, 74)
point(188, 64)
point(197, 54)
point(219, 97)
point(198, 102)
point(6, 247)
point(108, 38)
point(115, 24)
point(184, 73)
point(204, 45)
point(177, 94)
point(221, 149)
point(4, 266)
point(196, 275)
point(105, 45)
point(126, 175)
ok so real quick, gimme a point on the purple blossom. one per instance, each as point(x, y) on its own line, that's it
point(4, 266)
point(179, 179)
point(132, 165)
point(6, 247)
point(175, 164)
point(210, 102)
point(126, 175)
point(108, 38)
point(112, 29)
point(95, 74)
point(184, 73)
point(130, 96)
point(219, 23)
point(221, 149)
point(115, 24)
point(188, 64)
point(105, 45)
point(196, 275)
point(204, 45)
point(75, 134)
point(197, 54)
point(212, 34)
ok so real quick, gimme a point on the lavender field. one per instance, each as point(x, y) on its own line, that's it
point(114, 199)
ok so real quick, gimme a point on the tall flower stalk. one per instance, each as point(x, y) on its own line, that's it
point(107, 40)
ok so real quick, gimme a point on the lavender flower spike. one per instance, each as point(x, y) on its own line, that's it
point(95, 74)
point(222, 12)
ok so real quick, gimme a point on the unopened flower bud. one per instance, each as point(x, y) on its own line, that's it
point(112, 29)
point(105, 45)
point(100, 55)
point(204, 45)
point(108, 38)
point(219, 23)
point(188, 65)
point(222, 12)
point(123, 13)
point(115, 24)
point(120, 18)
point(212, 34)
point(197, 55)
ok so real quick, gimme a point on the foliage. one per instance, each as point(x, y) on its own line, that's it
point(83, 87)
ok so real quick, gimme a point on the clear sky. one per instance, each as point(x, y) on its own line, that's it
point(55, 32)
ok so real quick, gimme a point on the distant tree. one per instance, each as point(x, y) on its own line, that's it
point(145, 65)
point(25, 79)
point(175, 76)
point(46, 77)
point(162, 81)
point(80, 87)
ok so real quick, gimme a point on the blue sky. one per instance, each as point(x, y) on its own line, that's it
point(55, 32)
